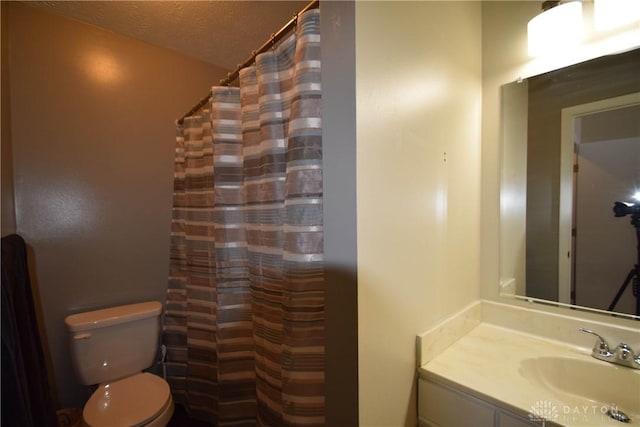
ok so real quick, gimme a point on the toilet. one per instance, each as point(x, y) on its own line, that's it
point(111, 348)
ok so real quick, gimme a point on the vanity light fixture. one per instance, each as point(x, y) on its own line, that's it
point(557, 28)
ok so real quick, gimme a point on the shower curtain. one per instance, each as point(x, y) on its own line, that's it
point(244, 317)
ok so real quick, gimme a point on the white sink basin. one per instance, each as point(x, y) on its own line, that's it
point(586, 387)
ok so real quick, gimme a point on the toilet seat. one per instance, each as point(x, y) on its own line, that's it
point(132, 401)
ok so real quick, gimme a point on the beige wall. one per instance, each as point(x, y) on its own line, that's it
point(418, 85)
point(93, 135)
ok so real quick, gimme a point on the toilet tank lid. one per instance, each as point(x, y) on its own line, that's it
point(112, 316)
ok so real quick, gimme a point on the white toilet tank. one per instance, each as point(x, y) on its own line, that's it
point(114, 342)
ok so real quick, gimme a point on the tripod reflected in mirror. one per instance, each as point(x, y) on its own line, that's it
point(621, 209)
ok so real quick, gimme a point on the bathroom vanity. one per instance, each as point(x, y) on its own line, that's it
point(443, 404)
point(474, 370)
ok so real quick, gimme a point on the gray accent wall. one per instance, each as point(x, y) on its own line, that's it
point(92, 126)
point(8, 199)
point(340, 222)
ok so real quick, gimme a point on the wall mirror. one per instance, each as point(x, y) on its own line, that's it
point(570, 151)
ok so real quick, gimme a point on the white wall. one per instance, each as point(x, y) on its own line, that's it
point(418, 87)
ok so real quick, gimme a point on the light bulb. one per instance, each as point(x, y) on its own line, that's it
point(555, 29)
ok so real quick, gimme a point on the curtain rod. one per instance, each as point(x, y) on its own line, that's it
point(265, 47)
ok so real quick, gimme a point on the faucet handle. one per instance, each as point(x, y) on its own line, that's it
point(626, 357)
point(601, 348)
point(624, 352)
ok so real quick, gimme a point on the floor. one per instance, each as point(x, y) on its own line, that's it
point(181, 419)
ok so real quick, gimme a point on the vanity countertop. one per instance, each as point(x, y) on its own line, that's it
point(499, 365)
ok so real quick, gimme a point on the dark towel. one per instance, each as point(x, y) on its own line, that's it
point(26, 393)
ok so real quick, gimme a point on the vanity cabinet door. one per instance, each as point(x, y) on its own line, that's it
point(445, 406)
point(507, 419)
point(440, 406)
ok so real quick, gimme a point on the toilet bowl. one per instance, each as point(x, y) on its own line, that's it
point(139, 400)
point(111, 348)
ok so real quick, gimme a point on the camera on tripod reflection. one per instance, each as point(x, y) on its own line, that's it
point(623, 209)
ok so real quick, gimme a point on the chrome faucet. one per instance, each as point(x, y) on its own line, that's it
point(621, 355)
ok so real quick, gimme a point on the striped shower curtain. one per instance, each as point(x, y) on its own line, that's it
point(244, 317)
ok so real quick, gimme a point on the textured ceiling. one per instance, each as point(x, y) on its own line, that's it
point(223, 33)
